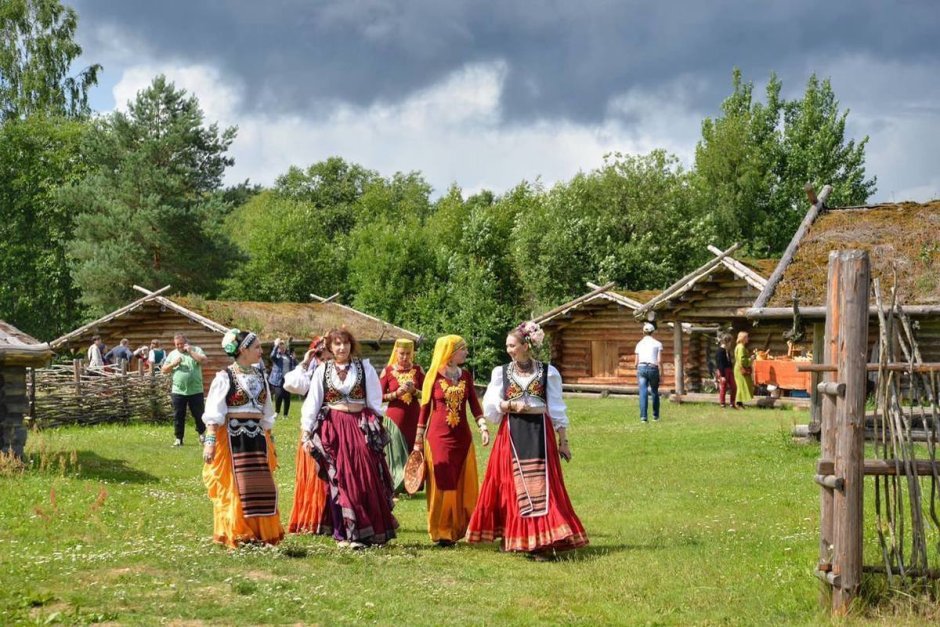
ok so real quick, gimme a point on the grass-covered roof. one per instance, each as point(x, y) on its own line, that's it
point(902, 239)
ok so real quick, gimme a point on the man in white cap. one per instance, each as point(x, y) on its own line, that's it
point(646, 358)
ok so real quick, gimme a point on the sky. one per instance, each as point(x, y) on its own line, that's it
point(487, 94)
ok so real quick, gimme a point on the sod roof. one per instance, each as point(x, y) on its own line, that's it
point(903, 245)
point(294, 319)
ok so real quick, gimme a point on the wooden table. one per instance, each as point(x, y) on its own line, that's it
point(782, 373)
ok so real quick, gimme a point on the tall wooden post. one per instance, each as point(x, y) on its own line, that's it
point(677, 347)
point(827, 415)
point(854, 287)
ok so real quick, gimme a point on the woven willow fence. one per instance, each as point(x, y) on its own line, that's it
point(907, 430)
point(70, 395)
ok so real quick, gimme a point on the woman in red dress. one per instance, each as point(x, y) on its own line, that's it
point(401, 379)
point(444, 436)
point(523, 499)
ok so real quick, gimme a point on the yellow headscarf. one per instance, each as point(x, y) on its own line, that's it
point(401, 343)
point(444, 349)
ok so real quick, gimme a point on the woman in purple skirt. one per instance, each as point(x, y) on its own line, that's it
point(341, 422)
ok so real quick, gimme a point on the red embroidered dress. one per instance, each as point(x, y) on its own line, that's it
point(452, 470)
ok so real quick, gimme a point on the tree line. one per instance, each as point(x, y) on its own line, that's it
point(92, 204)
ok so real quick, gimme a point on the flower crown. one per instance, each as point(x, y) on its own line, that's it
point(229, 341)
point(532, 334)
point(318, 343)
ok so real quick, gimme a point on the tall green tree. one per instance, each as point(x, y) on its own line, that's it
point(42, 109)
point(37, 50)
point(633, 221)
point(152, 206)
point(37, 155)
point(287, 255)
point(753, 161)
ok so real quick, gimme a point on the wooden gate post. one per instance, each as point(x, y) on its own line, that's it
point(854, 288)
point(827, 430)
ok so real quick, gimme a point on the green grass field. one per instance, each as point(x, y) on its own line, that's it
point(709, 517)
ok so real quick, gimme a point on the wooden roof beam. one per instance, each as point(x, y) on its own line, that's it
point(788, 254)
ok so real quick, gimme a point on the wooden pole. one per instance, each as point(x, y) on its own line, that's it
point(677, 358)
point(819, 343)
point(827, 427)
point(855, 286)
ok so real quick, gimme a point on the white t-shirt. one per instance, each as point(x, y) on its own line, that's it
point(648, 350)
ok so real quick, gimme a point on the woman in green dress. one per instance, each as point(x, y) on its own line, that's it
point(742, 370)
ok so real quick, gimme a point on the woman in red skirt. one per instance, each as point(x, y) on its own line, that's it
point(523, 499)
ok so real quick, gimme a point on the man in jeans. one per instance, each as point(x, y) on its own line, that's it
point(646, 358)
point(185, 362)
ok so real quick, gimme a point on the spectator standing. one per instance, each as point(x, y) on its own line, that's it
point(94, 355)
point(724, 358)
point(646, 358)
point(121, 352)
point(282, 362)
point(157, 355)
point(185, 362)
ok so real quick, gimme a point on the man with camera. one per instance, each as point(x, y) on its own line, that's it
point(185, 362)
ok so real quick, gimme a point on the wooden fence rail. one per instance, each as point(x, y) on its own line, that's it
point(72, 395)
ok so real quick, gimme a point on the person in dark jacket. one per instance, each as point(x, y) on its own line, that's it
point(725, 370)
point(282, 362)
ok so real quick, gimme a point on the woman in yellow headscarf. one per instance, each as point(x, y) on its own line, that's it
point(401, 381)
point(444, 436)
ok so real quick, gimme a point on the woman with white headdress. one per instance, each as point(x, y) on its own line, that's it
point(523, 499)
point(239, 450)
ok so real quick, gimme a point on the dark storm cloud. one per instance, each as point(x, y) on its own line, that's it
point(563, 58)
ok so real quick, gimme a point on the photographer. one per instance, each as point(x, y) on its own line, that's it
point(185, 362)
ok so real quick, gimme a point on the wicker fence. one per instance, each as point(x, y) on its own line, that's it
point(71, 395)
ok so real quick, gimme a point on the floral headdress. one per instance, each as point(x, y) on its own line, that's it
point(230, 343)
point(318, 343)
point(532, 334)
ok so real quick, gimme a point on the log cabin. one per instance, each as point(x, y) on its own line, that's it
point(204, 322)
point(717, 295)
point(18, 352)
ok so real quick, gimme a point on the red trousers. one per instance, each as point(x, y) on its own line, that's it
point(726, 384)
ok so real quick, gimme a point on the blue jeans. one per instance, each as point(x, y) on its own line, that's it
point(648, 377)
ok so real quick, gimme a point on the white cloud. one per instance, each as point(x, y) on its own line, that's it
point(451, 132)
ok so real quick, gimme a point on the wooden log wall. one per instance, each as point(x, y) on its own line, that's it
point(720, 296)
point(14, 402)
point(70, 395)
point(596, 348)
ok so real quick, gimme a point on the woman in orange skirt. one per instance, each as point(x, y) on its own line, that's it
point(239, 451)
point(310, 491)
point(445, 437)
point(523, 499)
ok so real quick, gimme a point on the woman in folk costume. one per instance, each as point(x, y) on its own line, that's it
point(523, 499)
point(310, 491)
point(341, 422)
point(445, 438)
point(401, 379)
point(239, 450)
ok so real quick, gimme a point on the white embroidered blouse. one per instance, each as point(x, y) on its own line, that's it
point(253, 383)
point(555, 406)
point(316, 393)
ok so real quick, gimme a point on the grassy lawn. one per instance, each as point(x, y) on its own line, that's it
point(709, 517)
